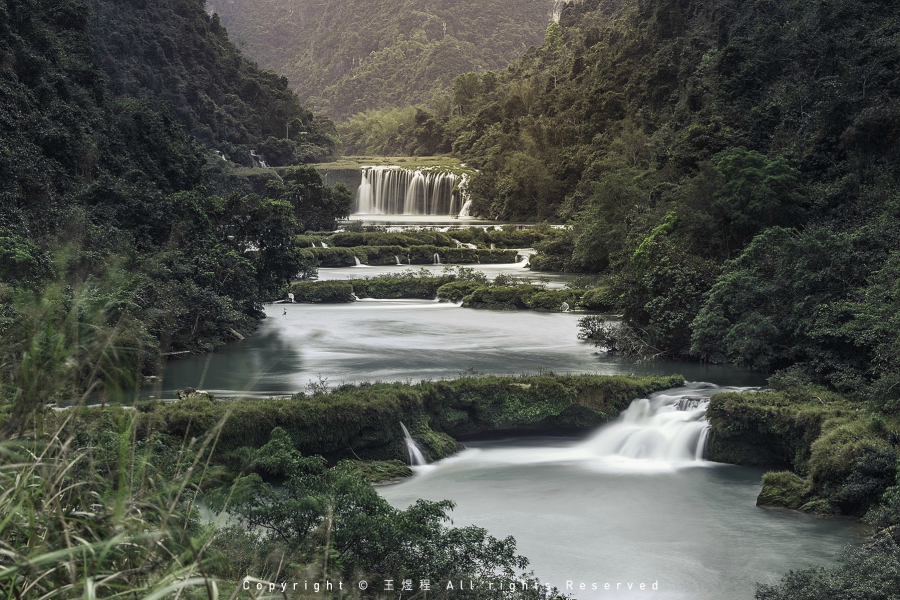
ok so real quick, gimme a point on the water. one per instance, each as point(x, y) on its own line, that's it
point(595, 511)
point(397, 191)
point(400, 340)
point(633, 502)
point(416, 457)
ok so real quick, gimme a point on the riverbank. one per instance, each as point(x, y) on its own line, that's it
point(472, 290)
point(363, 421)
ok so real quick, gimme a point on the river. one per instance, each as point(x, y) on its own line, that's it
point(579, 510)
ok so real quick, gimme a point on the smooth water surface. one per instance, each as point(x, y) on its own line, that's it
point(403, 340)
point(590, 512)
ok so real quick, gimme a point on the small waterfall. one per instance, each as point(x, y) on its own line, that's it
point(398, 259)
point(394, 190)
point(465, 210)
point(355, 297)
point(564, 307)
point(358, 264)
point(703, 443)
point(312, 245)
point(437, 258)
point(324, 245)
point(416, 457)
point(671, 428)
point(260, 159)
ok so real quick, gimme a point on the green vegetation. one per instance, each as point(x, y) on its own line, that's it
point(346, 58)
point(456, 284)
point(100, 502)
point(842, 458)
point(362, 421)
point(377, 471)
point(316, 292)
point(109, 183)
point(412, 255)
point(170, 52)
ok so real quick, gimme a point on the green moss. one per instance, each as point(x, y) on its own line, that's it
point(363, 421)
point(399, 287)
point(501, 297)
point(377, 471)
point(598, 299)
point(457, 290)
point(784, 489)
point(841, 458)
point(322, 291)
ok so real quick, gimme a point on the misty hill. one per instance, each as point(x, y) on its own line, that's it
point(347, 56)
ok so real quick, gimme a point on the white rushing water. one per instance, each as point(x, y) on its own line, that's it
point(667, 430)
point(416, 457)
point(399, 191)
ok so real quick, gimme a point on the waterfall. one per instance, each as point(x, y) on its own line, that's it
point(665, 427)
point(358, 264)
point(564, 307)
point(416, 457)
point(312, 245)
point(260, 159)
point(324, 245)
point(398, 259)
point(398, 191)
point(437, 258)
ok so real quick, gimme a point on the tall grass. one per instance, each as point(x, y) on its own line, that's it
point(89, 515)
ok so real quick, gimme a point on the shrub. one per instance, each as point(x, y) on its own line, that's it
point(322, 291)
point(457, 290)
point(599, 299)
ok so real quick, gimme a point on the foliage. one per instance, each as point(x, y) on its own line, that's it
point(868, 571)
point(363, 421)
point(107, 178)
point(845, 458)
point(322, 291)
point(354, 57)
point(172, 52)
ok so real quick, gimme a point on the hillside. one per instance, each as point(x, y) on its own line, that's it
point(710, 155)
point(108, 123)
point(349, 56)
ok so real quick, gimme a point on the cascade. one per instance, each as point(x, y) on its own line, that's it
point(358, 264)
point(665, 427)
point(324, 245)
point(437, 258)
point(398, 259)
point(399, 191)
point(260, 159)
point(416, 457)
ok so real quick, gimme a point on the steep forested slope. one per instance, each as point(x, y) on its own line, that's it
point(680, 135)
point(348, 56)
point(108, 117)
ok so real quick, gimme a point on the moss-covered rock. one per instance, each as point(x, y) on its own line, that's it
point(377, 471)
point(457, 290)
point(322, 291)
point(363, 421)
point(841, 458)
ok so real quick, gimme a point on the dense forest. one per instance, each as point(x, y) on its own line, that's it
point(353, 56)
point(712, 156)
point(726, 170)
point(109, 124)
